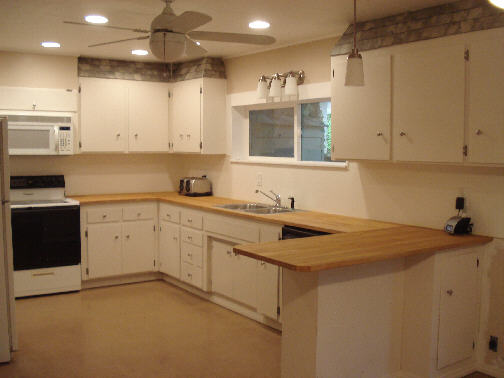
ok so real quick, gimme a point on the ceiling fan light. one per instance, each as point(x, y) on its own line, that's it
point(498, 3)
point(354, 70)
point(96, 19)
point(198, 43)
point(167, 46)
point(259, 24)
point(139, 52)
point(50, 44)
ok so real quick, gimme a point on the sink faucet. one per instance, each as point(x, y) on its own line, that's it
point(277, 199)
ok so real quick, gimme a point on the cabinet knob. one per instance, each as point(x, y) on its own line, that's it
point(188, 136)
point(116, 237)
point(479, 132)
point(229, 253)
point(139, 214)
point(104, 216)
point(449, 292)
point(189, 275)
point(189, 254)
point(379, 133)
point(175, 238)
point(189, 237)
point(127, 236)
point(34, 106)
point(168, 216)
point(118, 135)
point(189, 220)
point(402, 133)
point(136, 135)
point(263, 263)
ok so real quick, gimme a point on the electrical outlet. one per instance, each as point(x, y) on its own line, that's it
point(259, 179)
point(493, 343)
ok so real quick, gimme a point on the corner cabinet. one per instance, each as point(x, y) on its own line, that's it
point(123, 115)
point(197, 116)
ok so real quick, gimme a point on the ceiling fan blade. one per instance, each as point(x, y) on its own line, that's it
point(107, 26)
point(253, 39)
point(188, 21)
point(120, 40)
point(193, 50)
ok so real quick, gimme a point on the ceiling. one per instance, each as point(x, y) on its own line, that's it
point(26, 23)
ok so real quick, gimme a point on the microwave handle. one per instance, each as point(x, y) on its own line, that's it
point(56, 139)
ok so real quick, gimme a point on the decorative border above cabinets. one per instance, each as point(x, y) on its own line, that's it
point(459, 17)
point(150, 71)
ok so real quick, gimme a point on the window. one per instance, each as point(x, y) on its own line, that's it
point(272, 132)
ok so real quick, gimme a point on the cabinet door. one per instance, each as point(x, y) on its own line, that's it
point(185, 116)
point(221, 256)
point(360, 116)
point(19, 98)
point(104, 109)
point(139, 245)
point(267, 289)
point(486, 112)
point(458, 311)
point(428, 104)
point(169, 248)
point(104, 249)
point(148, 116)
point(245, 280)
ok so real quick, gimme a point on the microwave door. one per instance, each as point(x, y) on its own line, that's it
point(32, 140)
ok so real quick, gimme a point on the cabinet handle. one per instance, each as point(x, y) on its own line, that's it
point(479, 132)
point(136, 135)
point(168, 216)
point(43, 274)
point(189, 254)
point(175, 238)
point(402, 133)
point(189, 220)
point(189, 275)
point(188, 136)
point(127, 236)
point(118, 135)
point(189, 237)
point(116, 237)
point(449, 292)
point(104, 216)
point(139, 214)
point(379, 133)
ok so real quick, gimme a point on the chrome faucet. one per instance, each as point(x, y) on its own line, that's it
point(277, 199)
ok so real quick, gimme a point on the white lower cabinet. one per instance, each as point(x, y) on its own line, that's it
point(169, 248)
point(104, 245)
point(139, 246)
point(114, 243)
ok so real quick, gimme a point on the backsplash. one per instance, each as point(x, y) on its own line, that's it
point(151, 71)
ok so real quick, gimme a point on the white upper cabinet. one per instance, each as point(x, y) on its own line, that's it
point(148, 116)
point(428, 103)
point(360, 116)
point(197, 116)
point(185, 113)
point(46, 99)
point(104, 115)
point(485, 134)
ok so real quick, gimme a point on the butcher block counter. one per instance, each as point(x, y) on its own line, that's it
point(354, 240)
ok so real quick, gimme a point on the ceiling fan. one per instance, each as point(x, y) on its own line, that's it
point(171, 36)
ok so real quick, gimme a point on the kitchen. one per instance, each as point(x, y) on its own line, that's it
point(406, 193)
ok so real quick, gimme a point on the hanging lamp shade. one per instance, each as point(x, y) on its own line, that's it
point(355, 66)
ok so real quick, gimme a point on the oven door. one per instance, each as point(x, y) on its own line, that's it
point(30, 139)
point(46, 237)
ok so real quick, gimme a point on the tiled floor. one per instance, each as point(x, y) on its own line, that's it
point(144, 330)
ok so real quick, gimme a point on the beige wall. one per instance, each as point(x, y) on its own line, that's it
point(38, 71)
point(244, 72)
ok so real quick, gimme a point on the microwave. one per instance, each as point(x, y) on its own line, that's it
point(40, 134)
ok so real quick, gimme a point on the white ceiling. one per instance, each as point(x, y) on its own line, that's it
point(26, 23)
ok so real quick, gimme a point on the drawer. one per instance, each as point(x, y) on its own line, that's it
point(102, 215)
point(169, 213)
point(234, 228)
point(137, 212)
point(192, 219)
point(47, 280)
point(192, 254)
point(191, 274)
point(191, 236)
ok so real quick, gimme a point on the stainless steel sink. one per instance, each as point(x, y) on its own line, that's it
point(270, 210)
point(244, 206)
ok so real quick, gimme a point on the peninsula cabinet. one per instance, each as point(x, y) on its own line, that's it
point(118, 239)
point(360, 116)
point(123, 115)
point(197, 116)
point(428, 104)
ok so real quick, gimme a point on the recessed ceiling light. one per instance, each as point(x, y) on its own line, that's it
point(139, 52)
point(198, 43)
point(498, 3)
point(258, 24)
point(50, 44)
point(96, 19)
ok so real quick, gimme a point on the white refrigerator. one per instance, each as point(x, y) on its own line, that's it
point(7, 319)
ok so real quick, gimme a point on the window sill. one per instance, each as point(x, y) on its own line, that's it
point(319, 164)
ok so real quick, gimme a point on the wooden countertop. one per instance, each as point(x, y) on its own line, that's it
point(308, 219)
point(338, 250)
point(354, 240)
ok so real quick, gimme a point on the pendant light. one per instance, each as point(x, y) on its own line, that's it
point(355, 68)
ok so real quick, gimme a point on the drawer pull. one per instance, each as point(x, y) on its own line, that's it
point(43, 274)
point(189, 220)
point(168, 216)
point(175, 238)
point(263, 263)
point(189, 237)
point(139, 214)
point(189, 275)
point(104, 216)
point(189, 254)
point(127, 236)
point(449, 292)
point(229, 253)
point(116, 237)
